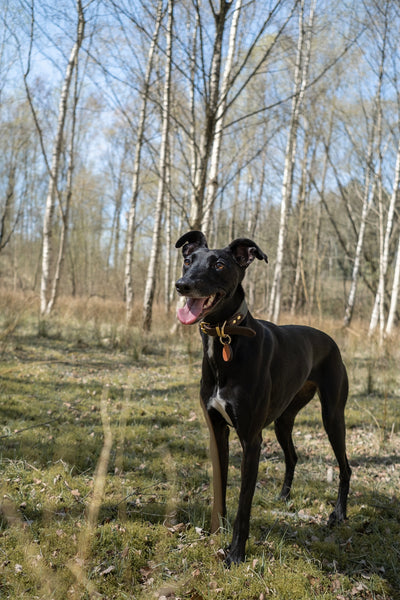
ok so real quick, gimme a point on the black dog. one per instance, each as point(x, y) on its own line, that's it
point(253, 373)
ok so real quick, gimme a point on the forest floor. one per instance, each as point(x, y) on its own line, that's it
point(105, 477)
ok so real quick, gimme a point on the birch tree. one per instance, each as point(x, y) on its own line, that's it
point(378, 308)
point(369, 188)
point(300, 82)
point(65, 207)
point(212, 103)
point(315, 258)
point(212, 187)
point(130, 236)
point(162, 182)
point(384, 231)
point(395, 292)
point(378, 25)
point(52, 193)
point(168, 239)
point(9, 215)
point(218, 104)
point(299, 275)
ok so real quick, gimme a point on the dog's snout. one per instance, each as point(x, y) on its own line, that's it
point(182, 287)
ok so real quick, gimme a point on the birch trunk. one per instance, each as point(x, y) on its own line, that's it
point(168, 241)
point(55, 164)
point(395, 292)
point(234, 217)
point(204, 194)
point(130, 236)
point(6, 226)
point(193, 122)
point(378, 309)
point(368, 198)
point(316, 261)
point(197, 203)
point(315, 253)
point(155, 248)
point(113, 247)
point(65, 210)
point(212, 187)
point(300, 81)
point(368, 194)
point(381, 282)
point(299, 275)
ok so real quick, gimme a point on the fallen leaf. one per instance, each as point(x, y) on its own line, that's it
point(107, 571)
point(221, 554)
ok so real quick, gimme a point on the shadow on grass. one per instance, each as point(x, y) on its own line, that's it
point(365, 548)
point(374, 459)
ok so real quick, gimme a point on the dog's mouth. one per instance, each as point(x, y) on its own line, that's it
point(196, 308)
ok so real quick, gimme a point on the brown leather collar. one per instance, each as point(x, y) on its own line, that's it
point(230, 327)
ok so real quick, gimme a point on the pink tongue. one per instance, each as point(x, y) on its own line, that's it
point(191, 311)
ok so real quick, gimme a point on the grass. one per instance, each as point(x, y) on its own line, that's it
point(105, 474)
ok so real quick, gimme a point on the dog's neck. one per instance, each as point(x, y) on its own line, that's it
point(229, 307)
point(236, 318)
point(232, 326)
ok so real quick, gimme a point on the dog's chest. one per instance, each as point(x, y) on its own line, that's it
point(216, 398)
point(210, 348)
point(219, 404)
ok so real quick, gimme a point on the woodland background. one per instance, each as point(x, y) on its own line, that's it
point(124, 124)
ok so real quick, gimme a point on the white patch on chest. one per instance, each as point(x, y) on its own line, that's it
point(220, 405)
point(210, 347)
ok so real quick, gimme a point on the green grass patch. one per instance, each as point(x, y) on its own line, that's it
point(76, 405)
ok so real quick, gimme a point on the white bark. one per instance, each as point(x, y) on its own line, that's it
point(194, 170)
point(395, 292)
point(55, 164)
point(65, 210)
point(212, 187)
point(168, 240)
point(203, 157)
point(368, 195)
point(156, 242)
point(300, 82)
point(299, 276)
point(130, 236)
point(377, 311)
point(315, 253)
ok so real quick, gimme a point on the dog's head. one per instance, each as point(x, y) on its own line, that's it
point(211, 276)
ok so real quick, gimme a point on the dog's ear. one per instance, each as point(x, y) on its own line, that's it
point(245, 251)
point(191, 241)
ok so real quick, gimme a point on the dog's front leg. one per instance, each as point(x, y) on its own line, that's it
point(250, 461)
point(219, 451)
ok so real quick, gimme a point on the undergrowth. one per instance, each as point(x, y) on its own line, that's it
point(105, 473)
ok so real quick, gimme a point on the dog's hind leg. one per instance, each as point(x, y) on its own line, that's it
point(283, 430)
point(333, 395)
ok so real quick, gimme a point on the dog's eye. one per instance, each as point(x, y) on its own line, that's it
point(187, 262)
point(219, 266)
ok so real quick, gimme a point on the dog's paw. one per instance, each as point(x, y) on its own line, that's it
point(284, 496)
point(233, 556)
point(336, 517)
